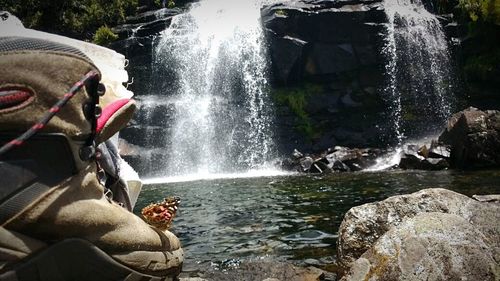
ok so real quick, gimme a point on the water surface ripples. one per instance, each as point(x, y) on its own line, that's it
point(288, 217)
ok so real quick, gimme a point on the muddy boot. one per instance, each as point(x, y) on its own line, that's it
point(57, 222)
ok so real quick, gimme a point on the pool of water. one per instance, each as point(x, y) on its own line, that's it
point(294, 218)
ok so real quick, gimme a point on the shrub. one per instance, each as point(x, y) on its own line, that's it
point(482, 10)
point(296, 100)
point(104, 35)
point(76, 18)
point(281, 13)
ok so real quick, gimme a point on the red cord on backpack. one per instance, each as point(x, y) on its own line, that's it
point(51, 113)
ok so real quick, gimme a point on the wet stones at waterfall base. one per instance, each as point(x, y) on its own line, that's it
point(470, 140)
point(337, 159)
point(433, 234)
point(423, 158)
point(344, 159)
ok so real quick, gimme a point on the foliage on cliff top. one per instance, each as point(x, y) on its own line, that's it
point(482, 10)
point(104, 35)
point(481, 46)
point(75, 18)
point(483, 55)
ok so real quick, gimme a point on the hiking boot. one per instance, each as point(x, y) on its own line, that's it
point(53, 199)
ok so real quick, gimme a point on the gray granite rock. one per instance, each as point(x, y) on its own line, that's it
point(429, 246)
point(364, 225)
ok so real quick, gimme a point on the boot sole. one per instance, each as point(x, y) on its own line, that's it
point(79, 260)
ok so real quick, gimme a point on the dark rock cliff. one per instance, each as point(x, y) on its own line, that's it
point(327, 54)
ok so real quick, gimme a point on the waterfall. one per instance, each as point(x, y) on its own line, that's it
point(211, 69)
point(419, 83)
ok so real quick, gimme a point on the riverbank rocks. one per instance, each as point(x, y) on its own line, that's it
point(433, 234)
point(336, 159)
point(474, 138)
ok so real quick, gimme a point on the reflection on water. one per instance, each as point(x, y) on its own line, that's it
point(289, 217)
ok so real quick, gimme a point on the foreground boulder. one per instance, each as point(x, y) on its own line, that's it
point(429, 246)
point(363, 226)
point(474, 137)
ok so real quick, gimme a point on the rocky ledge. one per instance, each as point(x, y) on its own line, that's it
point(136, 40)
point(470, 140)
point(433, 234)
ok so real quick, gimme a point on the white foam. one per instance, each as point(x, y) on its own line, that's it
point(209, 176)
point(393, 158)
point(386, 161)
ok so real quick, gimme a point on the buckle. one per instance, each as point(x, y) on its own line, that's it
point(108, 194)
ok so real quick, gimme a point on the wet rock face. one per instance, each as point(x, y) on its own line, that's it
point(474, 137)
point(335, 46)
point(136, 39)
point(311, 38)
point(429, 246)
point(364, 225)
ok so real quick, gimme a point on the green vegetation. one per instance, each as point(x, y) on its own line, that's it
point(158, 4)
point(281, 12)
point(409, 115)
point(79, 19)
point(483, 56)
point(480, 49)
point(482, 10)
point(104, 35)
point(482, 66)
point(296, 100)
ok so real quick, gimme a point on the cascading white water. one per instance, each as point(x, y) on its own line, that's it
point(215, 66)
point(418, 69)
point(419, 84)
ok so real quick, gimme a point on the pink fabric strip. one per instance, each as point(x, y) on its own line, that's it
point(109, 111)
